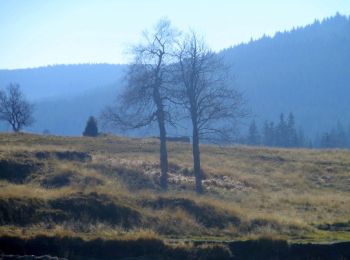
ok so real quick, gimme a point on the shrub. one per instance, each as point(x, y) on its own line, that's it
point(91, 127)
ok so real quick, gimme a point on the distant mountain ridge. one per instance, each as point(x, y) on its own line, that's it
point(305, 71)
point(63, 80)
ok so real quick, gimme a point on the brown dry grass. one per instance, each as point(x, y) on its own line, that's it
point(273, 192)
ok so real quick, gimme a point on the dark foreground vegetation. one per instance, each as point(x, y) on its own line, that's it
point(77, 248)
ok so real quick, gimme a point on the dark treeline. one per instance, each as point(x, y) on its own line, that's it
point(337, 137)
point(285, 133)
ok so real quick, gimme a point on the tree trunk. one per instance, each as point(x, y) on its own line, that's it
point(196, 160)
point(15, 128)
point(163, 155)
point(162, 137)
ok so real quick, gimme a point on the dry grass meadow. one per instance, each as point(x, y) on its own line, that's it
point(107, 187)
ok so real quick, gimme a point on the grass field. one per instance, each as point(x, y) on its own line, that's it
point(107, 187)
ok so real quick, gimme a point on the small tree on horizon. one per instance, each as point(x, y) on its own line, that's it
point(91, 128)
point(253, 134)
point(292, 136)
point(14, 108)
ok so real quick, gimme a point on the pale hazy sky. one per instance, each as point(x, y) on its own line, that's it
point(42, 32)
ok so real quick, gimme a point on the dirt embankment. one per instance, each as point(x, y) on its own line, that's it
point(76, 248)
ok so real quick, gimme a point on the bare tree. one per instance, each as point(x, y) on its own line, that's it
point(14, 108)
point(145, 98)
point(212, 105)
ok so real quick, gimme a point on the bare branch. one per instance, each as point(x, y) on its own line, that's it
point(212, 106)
point(146, 99)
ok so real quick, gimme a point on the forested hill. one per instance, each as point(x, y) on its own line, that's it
point(305, 71)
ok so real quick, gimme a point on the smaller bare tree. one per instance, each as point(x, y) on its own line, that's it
point(212, 105)
point(14, 108)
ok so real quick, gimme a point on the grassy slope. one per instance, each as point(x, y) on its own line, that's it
point(298, 195)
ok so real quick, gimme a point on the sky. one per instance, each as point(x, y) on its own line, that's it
point(37, 33)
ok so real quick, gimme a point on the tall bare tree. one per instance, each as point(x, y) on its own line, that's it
point(14, 108)
point(212, 105)
point(145, 98)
